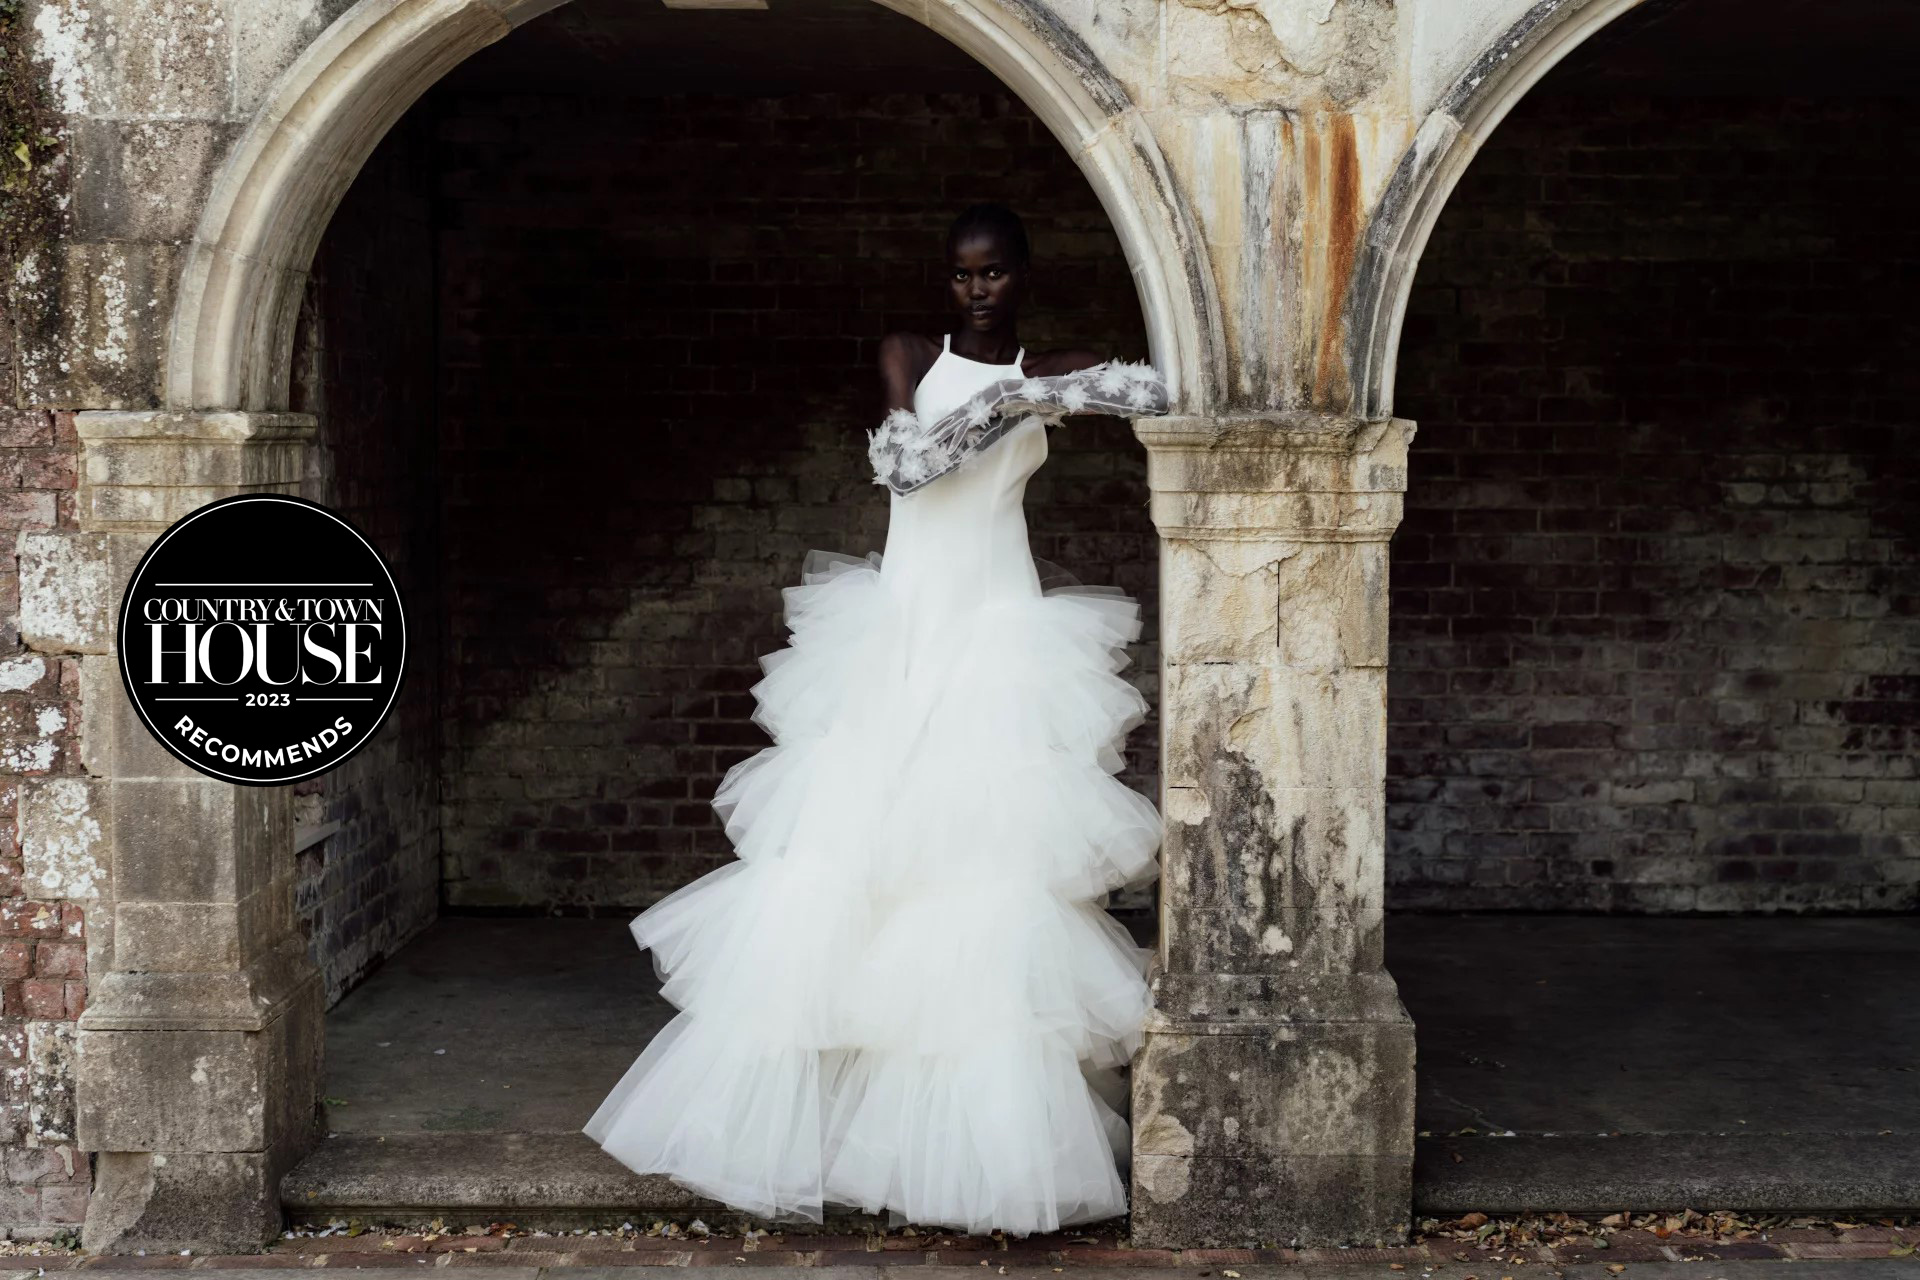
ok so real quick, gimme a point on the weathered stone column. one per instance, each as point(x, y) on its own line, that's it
point(1273, 1101)
point(199, 1052)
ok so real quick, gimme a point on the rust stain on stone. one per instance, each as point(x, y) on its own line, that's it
point(1333, 184)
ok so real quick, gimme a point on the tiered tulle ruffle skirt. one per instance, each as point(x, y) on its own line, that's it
point(905, 993)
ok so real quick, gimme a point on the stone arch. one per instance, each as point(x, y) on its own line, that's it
point(232, 333)
point(1446, 143)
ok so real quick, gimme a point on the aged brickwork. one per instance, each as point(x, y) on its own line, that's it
point(654, 399)
point(51, 864)
point(1657, 599)
point(364, 366)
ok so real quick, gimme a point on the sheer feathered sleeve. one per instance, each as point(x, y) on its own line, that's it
point(907, 454)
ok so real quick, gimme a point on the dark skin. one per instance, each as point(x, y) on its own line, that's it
point(986, 283)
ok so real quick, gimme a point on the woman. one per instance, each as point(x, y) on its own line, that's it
point(905, 994)
point(988, 254)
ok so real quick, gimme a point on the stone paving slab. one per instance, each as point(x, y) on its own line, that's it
point(537, 1179)
point(1742, 1269)
point(1861, 1174)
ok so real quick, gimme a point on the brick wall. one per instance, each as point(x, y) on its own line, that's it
point(44, 890)
point(658, 324)
point(364, 365)
point(1656, 610)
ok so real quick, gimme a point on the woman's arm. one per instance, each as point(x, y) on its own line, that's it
point(904, 360)
point(1048, 364)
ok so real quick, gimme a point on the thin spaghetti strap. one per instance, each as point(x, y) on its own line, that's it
point(1020, 359)
point(945, 338)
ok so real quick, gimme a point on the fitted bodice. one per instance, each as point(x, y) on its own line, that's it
point(961, 540)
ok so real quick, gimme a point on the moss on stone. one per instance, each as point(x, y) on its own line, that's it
point(30, 139)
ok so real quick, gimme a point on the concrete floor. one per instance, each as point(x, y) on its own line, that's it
point(491, 1025)
point(1593, 1024)
point(1768, 1064)
point(1770, 1061)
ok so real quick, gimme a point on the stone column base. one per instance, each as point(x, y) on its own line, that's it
point(214, 1202)
point(196, 1126)
point(1278, 1112)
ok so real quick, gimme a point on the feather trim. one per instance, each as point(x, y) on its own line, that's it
point(907, 453)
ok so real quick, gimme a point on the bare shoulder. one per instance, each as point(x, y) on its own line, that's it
point(904, 345)
point(1047, 364)
point(904, 360)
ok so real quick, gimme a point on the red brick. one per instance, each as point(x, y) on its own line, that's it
point(26, 509)
point(368, 1243)
point(136, 1262)
point(26, 428)
point(43, 998)
point(55, 959)
point(64, 1202)
point(42, 1165)
point(16, 959)
point(1406, 1254)
point(1097, 1257)
point(29, 918)
point(1870, 1235)
point(464, 1243)
point(53, 469)
point(1727, 1250)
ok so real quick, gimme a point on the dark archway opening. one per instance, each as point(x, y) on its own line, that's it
point(591, 342)
point(1652, 809)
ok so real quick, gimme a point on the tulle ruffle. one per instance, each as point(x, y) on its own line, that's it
point(905, 992)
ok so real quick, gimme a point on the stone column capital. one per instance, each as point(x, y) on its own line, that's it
point(142, 470)
point(1301, 477)
point(228, 426)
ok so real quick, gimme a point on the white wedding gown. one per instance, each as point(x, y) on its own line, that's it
point(905, 994)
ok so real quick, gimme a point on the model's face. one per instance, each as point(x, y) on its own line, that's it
point(985, 281)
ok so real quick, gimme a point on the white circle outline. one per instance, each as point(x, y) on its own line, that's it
point(126, 681)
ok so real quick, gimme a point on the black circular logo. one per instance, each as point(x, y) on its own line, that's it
point(262, 639)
